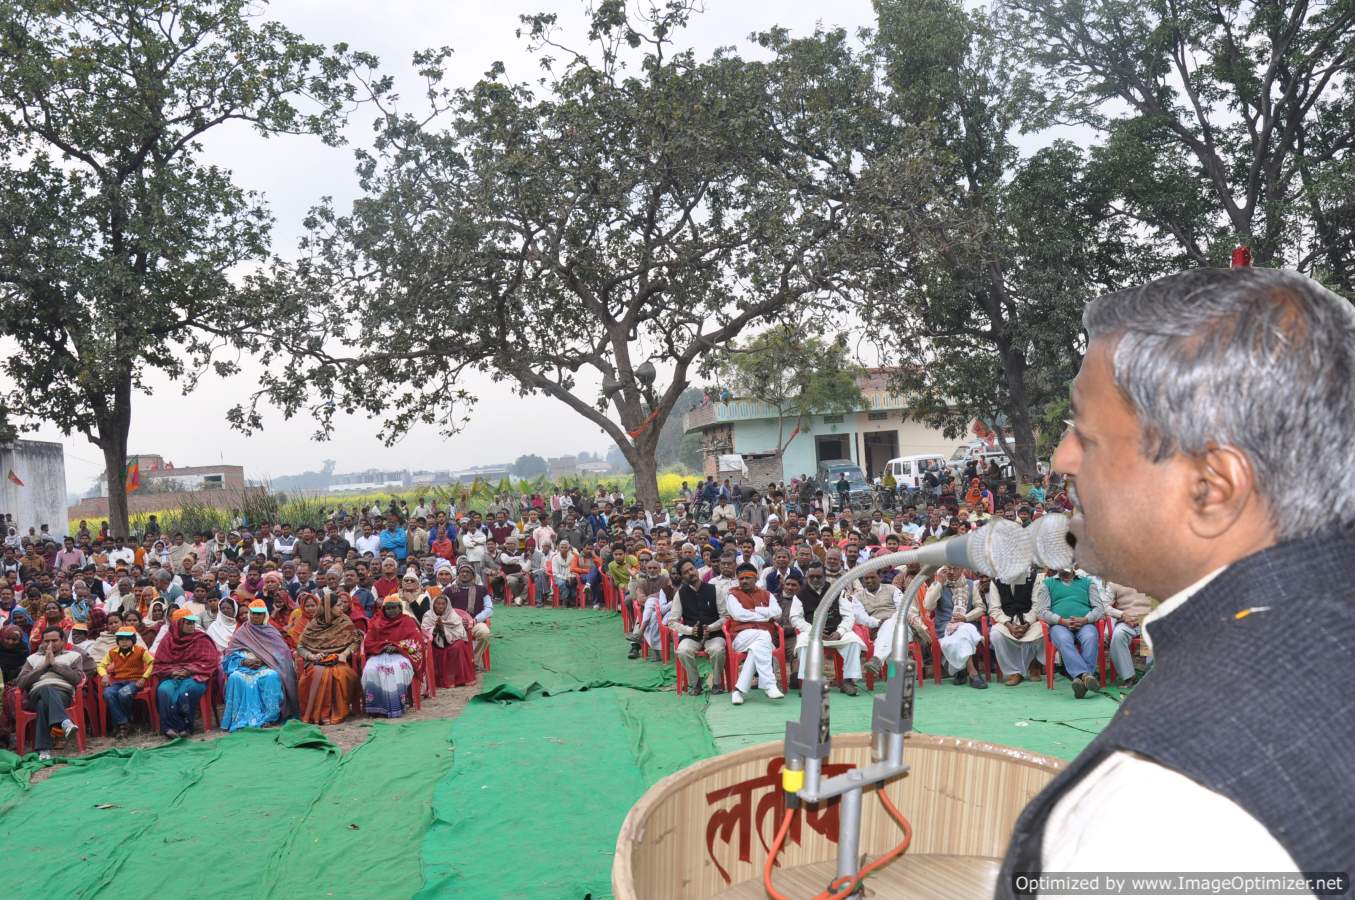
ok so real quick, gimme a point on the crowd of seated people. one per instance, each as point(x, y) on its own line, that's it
point(270, 623)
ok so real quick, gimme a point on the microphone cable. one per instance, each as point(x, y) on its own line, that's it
point(845, 885)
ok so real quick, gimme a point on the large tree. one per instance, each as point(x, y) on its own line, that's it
point(974, 263)
point(529, 465)
point(117, 241)
point(1226, 122)
point(610, 223)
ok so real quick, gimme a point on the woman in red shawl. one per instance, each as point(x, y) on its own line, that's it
point(394, 650)
point(187, 663)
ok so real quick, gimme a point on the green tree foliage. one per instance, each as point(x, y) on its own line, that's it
point(118, 241)
point(974, 263)
point(1241, 118)
point(677, 448)
point(529, 466)
point(798, 375)
point(623, 215)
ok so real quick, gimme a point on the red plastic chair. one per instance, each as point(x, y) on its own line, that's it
point(430, 687)
point(644, 643)
point(735, 657)
point(1106, 626)
point(915, 651)
point(627, 617)
point(1051, 653)
point(986, 648)
point(146, 695)
point(75, 712)
point(833, 654)
point(937, 656)
point(665, 635)
point(94, 705)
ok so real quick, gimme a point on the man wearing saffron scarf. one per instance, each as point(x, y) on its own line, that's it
point(188, 662)
point(753, 610)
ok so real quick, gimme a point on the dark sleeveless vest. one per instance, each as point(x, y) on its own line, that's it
point(1269, 737)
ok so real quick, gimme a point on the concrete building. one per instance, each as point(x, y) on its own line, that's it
point(871, 436)
point(165, 486)
point(159, 476)
point(41, 499)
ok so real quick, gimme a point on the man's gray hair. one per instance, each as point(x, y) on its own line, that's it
point(1262, 360)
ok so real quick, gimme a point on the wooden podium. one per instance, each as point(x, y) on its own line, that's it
point(704, 832)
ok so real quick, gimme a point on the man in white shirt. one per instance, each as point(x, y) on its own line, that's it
point(473, 539)
point(122, 554)
point(284, 544)
point(367, 543)
point(723, 516)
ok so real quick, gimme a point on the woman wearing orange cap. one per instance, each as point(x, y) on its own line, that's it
point(260, 678)
point(186, 663)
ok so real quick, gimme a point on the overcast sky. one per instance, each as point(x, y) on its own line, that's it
point(293, 172)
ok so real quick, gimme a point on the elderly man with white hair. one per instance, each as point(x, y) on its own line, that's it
point(955, 603)
point(512, 566)
point(561, 564)
point(838, 629)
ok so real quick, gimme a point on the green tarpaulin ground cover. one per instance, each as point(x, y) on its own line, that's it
point(558, 650)
point(259, 813)
point(567, 735)
point(533, 806)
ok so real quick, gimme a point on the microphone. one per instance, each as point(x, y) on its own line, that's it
point(999, 548)
point(1051, 542)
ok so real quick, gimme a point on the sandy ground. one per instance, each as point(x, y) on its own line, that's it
point(448, 704)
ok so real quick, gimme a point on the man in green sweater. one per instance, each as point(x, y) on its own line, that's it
point(1067, 603)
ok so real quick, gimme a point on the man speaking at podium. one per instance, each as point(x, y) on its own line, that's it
point(1212, 447)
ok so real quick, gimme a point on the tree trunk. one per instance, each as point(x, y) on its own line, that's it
point(1018, 414)
point(113, 440)
point(645, 466)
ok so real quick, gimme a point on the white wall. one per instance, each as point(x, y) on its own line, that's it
point(41, 466)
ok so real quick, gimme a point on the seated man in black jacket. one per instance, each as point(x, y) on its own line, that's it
point(697, 616)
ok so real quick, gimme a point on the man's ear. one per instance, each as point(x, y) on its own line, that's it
point(1223, 482)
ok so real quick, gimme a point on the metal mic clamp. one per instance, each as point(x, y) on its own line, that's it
point(808, 741)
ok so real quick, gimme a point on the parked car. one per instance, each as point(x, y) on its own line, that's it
point(908, 471)
point(860, 495)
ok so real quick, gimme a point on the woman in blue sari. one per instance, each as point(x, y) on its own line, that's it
point(260, 676)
